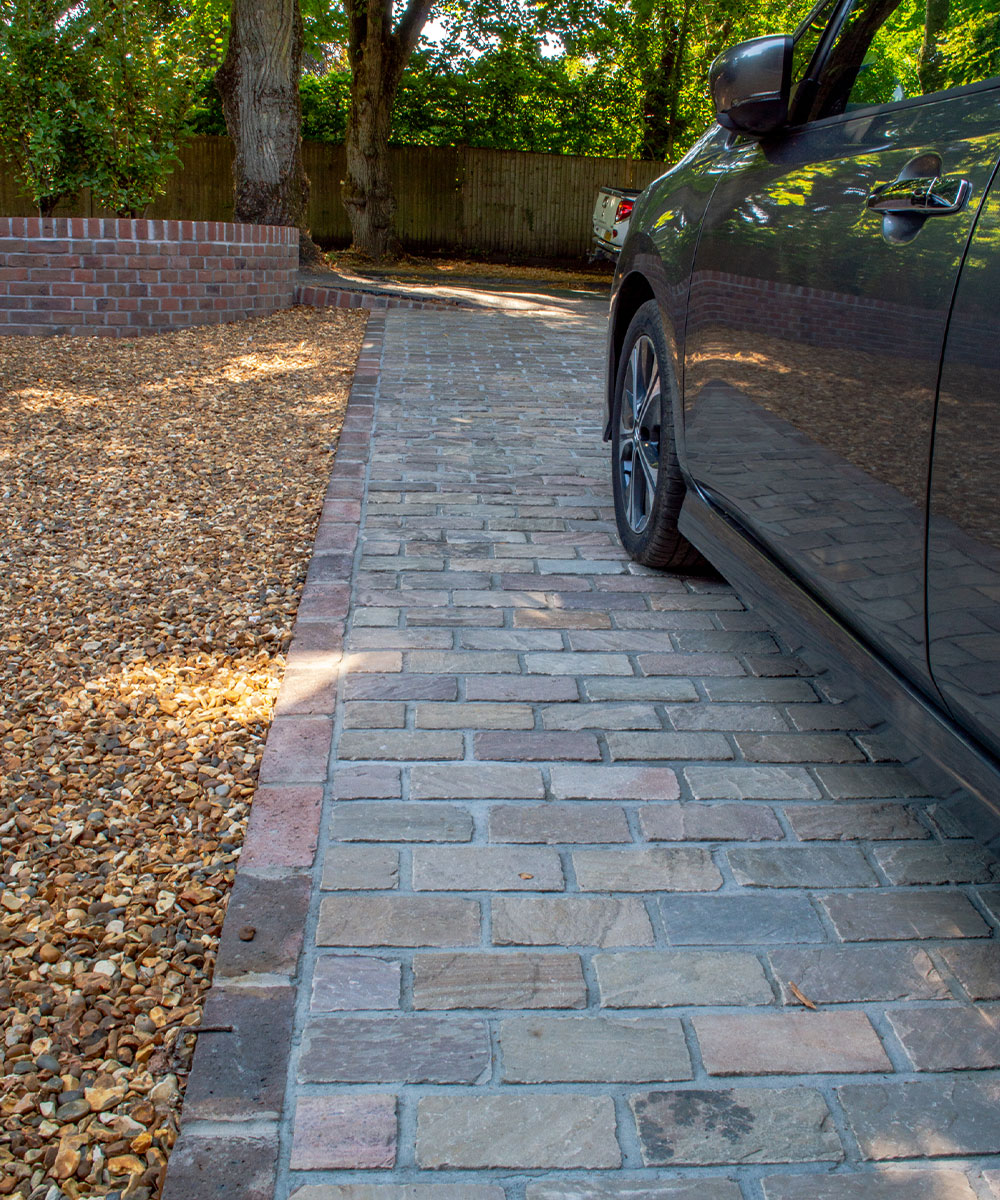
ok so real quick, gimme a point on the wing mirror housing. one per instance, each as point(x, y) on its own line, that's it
point(751, 85)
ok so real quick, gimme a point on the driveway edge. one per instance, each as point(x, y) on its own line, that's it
point(228, 1143)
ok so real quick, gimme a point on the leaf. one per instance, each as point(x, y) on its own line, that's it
point(525, 875)
point(799, 996)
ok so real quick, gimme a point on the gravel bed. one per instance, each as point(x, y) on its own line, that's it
point(159, 501)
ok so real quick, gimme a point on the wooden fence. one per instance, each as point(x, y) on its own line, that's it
point(465, 199)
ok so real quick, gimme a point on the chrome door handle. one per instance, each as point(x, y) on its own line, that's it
point(937, 197)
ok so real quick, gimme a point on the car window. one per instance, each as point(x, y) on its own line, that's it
point(890, 50)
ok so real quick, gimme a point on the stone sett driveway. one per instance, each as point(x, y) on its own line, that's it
point(564, 882)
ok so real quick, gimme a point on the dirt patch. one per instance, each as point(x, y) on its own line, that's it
point(161, 496)
point(454, 272)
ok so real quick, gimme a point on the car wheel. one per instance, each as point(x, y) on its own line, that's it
point(646, 479)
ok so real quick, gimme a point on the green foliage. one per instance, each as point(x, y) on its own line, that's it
point(971, 48)
point(94, 96)
point(50, 113)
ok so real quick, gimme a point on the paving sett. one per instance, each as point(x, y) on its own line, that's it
point(591, 844)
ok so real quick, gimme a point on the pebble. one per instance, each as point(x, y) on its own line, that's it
point(136, 705)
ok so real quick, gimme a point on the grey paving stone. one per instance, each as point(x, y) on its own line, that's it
point(461, 662)
point(478, 782)
point(671, 978)
point(660, 868)
point(668, 745)
point(520, 687)
point(360, 868)
point(740, 920)
point(709, 823)
point(368, 783)
point(701, 1188)
point(891, 1184)
point(750, 783)
point(868, 782)
point(595, 715)
point(798, 747)
point(805, 866)
point(486, 869)
point(454, 617)
point(855, 974)
point(765, 691)
point(571, 921)
point(757, 718)
point(400, 744)
point(613, 783)
point(936, 862)
point(456, 715)
point(789, 1043)
point(342, 983)
point(949, 1037)
point(848, 822)
point(932, 1118)
point(735, 1126)
point(568, 662)
point(976, 966)
point(537, 746)
point(502, 980)
point(398, 1047)
point(385, 821)
point(543, 618)
point(593, 1050)
point(344, 1131)
point(375, 714)
point(401, 687)
point(399, 1191)
point(397, 921)
point(661, 689)
point(517, 1131)
point(557, 823)
point(884, 916)
point(510, 639)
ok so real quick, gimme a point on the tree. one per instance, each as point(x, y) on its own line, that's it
point(259, 85)
point(377, 52)
point(932, 66)
point(92, 94)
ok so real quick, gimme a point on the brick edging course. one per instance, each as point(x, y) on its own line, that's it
point(320, 297)
point(228, 1144)
point(122, 278)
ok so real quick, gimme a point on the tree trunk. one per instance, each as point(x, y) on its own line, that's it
point(378, 54)
point(259, 86)
point(367, 189)
point(931, 68)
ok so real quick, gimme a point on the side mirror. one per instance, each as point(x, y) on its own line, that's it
point(751, 84)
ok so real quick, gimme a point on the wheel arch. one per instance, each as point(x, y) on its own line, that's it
point(632, 293)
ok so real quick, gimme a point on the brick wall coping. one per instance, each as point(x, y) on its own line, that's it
point(127, 229)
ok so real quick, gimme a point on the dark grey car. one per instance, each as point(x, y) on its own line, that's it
point(804, 370)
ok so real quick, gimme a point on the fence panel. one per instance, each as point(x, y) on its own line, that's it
point(465, 199)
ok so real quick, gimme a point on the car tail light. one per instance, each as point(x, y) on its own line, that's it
point(624, 209)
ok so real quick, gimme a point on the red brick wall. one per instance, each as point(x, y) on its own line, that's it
point(96, 275)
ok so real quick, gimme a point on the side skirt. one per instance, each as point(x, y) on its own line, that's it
point(944, 758)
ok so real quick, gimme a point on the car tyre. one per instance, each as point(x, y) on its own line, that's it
point(646, 478)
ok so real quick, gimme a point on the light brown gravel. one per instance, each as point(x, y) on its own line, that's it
point(159, 501)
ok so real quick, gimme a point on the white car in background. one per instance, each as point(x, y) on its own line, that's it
point(612, 214)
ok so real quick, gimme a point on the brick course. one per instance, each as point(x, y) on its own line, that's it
point(122, 278)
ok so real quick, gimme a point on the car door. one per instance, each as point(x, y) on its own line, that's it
point(817, 313)
point(963, 563)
